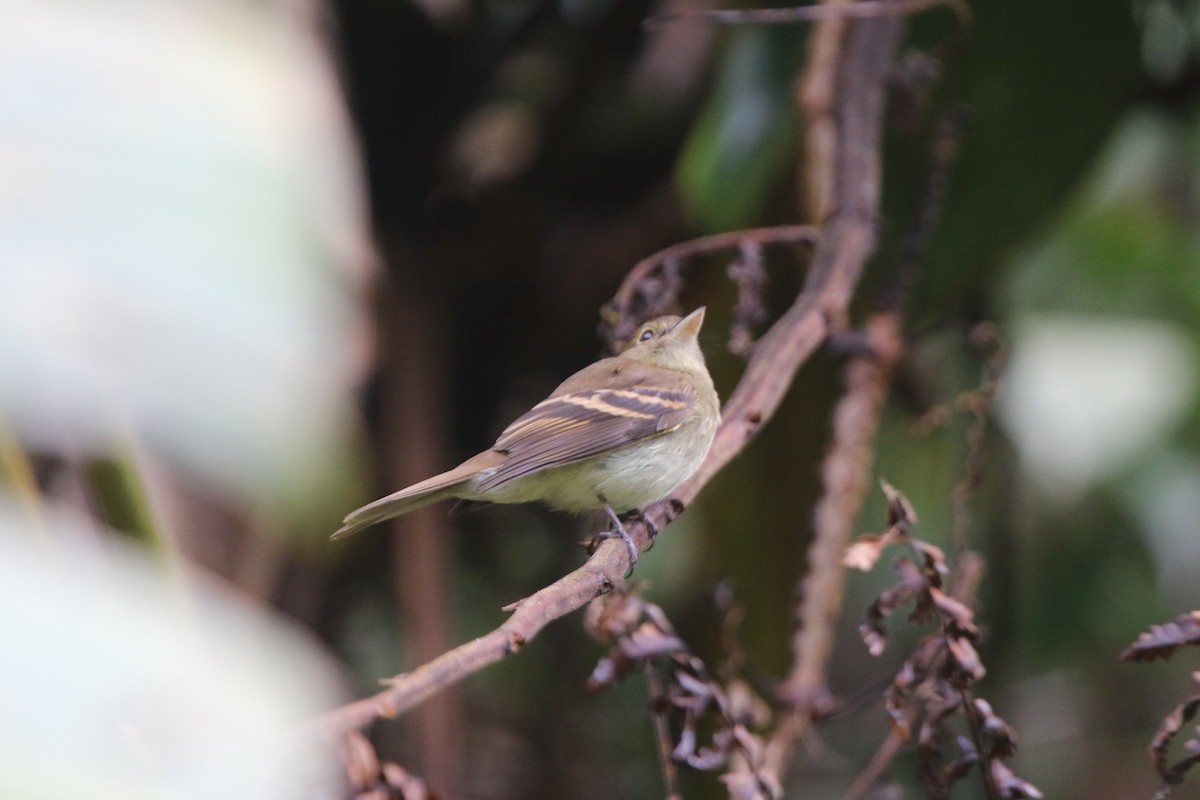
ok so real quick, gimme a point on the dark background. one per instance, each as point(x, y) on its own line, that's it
point(519, 156)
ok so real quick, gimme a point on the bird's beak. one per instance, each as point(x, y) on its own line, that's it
point(689, 326)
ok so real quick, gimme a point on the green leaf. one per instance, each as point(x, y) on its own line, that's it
point(740, 149)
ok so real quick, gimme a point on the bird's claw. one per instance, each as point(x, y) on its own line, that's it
point(618, 531)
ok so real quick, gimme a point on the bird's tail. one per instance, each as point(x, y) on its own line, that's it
point(431, 490)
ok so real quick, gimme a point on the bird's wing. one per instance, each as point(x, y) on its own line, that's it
point(637, 401)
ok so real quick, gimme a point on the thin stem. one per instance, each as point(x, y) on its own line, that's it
point(662, 731)
point(790, 15)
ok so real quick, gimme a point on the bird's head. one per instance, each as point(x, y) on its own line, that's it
point(670, 342)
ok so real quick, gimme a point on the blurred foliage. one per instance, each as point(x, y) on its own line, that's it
point(737, 155)
point(181, 236)
point(1040, 106)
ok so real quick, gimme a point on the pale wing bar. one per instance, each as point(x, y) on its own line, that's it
point(579, 425)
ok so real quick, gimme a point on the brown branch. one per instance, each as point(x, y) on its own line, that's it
point(868, 48)
point(862, 9)
point(846, 469)
point(650, 288)
point(845, 474)
point(891, 746)
point(846, 477)
point(816, 98)
point(845, 243)
point(594, 578)
point(855, 420)
point(779, 234)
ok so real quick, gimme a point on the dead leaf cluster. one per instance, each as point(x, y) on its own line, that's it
point(371, 779)
point(708, 721)
point(934, 686)
point(1161, 641)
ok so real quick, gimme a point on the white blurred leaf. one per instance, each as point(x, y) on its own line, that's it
point(117, 684)
point(181, 237)
point(1085, 395)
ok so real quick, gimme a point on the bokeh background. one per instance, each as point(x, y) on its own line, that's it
point(261, 262)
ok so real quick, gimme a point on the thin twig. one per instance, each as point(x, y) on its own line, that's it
point(808, 668)
point(967, 576)
point(979, 405)
point(944, 147)
point(662, 731)
point(532, 614)
point(749, 276)
point(845, 473)
point(862, 9)
point(630, 303)
point(891, 746)
point(985, 759)
point(817, 94)
point(868, 48)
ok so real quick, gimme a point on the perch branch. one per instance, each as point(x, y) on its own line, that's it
point(846, 241)
point(530, 615)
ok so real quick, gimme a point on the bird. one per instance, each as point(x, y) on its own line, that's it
point(617, 435)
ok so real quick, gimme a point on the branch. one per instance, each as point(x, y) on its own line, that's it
point(650, 289)
point(845, 242)
point(861, 9)
point(596, 577)
point(845, 474)
point(846, 469)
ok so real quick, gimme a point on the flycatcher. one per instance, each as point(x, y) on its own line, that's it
point(617, 435)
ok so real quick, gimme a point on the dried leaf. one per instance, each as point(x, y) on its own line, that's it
point(751, 745)
point(863, 554)
point(966, 658)
point(929, 740)
point(932, 683)
point(924, 610)
point(900, 510)
point(359, 761)
point(770, 784)
point(743, 786)
point(1003, 737)
point(934, 560)
point(1167, 730)
point(746, 706)
point(409, 786)
point(686, 747)
point(605, 674)
point(958, 614)
point(1009, 785)
point(708, 759)
point(1161, 641)
point(693, 686)
point(649, 641)
point(645, 639)
point(874, 637)
point(968, 757)
point(912, 585)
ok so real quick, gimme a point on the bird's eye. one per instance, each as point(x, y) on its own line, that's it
point(646, 336)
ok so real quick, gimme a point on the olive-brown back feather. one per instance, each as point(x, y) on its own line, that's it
point(575, 423)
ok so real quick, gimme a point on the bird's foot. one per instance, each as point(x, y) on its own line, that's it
point(618, 531)
point(651, 528)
